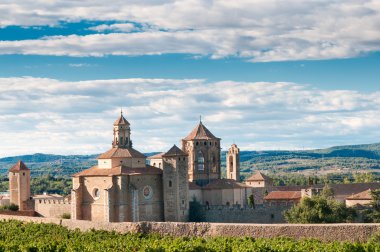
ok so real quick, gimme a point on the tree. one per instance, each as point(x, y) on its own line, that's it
point(320, 209)
point(373, 214)
point(196, 212)
point(251, 201)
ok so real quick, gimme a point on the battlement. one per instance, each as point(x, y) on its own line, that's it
point(52, 201)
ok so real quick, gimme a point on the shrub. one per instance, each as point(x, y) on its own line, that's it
point(66, 216)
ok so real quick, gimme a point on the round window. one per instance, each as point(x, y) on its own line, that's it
point(147, 192)
point(96, 193)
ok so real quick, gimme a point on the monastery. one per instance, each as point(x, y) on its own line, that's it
point(127, 186)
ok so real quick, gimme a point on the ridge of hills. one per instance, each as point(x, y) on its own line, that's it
point(338, 159)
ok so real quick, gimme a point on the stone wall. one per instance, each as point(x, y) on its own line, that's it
point(52, 208)
point(235, 214)
point(323, 232)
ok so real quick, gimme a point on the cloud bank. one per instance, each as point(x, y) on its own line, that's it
point(52, 116)
point(260, 30)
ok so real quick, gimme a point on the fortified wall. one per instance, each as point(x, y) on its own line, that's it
point(260, 214)
point(52, 208)
point(323, 232)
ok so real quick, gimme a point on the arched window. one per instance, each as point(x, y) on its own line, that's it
point(201, 161)
point(231, 163)
point(170, 183)
point(121, 140)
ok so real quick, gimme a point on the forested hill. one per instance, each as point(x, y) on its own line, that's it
point(353, 157)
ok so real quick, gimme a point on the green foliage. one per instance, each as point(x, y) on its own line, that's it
point(45, 183)
point(320, 209)
point(19, 236)
point(66, 216)
point(373, 214)
point(251, 201)
point(196, 213)
point(11, 207)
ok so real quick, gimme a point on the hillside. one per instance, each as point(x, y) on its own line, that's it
point(335, 159)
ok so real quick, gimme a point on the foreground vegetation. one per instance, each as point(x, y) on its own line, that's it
point(320, 209)
point(18, 236)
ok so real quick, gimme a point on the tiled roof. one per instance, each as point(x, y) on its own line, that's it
point(121, 153)
point(157, 156)
point(19, 166)
point(119, 170)
point(283, 195)
point(175, 151)
point(193, 186)
point(121, 120)
point(200, 132)
point(224, 184)
point(258, 176)
point(366, 195)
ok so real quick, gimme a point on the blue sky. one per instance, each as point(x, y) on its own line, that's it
point(273, 75)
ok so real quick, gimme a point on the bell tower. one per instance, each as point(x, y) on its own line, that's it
point(121, 133)
point(233, 163)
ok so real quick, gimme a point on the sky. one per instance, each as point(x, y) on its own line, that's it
point(264, 74)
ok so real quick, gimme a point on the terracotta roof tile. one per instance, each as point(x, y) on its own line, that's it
point(121, 120)
point(121, 153)
point(175, 151)
point(119, 170)
point(194, 186)
point(366, 195)
point(283, 195)
point(19, 166)
point(157, 156)
point(224, 184)
point(200, 132)
point(258, 176)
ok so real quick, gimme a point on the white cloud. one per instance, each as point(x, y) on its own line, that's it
point(125, 27)
point(51, 116)
point(259, 30)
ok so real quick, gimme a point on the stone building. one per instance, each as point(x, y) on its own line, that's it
point(19, 185)
point(204, 183)
point(233, 163)
point(122, 187)
point(203, 150)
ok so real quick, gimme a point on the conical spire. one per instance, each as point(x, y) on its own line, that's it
point(121, 120)
point(200, 132)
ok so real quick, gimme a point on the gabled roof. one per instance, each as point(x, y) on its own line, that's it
point(283, 195)
point(121, 120)
point(224, 184)
point(175, 151)
point(200, 132)
point(117, 152)
point(157, 156)
point(366, 195)
point(119, 170)
point(19, 166)
point(258, 176)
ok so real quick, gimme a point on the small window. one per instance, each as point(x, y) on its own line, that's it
point(205, 143)
point(159, 165)
point(196, 143)
point(201, 161)
point(154, 164)
point(96, 193)
point(170, 183)
point(23, 174)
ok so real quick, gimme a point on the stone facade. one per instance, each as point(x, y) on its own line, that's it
point(122, 187)
point(19, 185)
point(203, 150)
point(52, 208)
point(176, 189)
point(233, 163)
